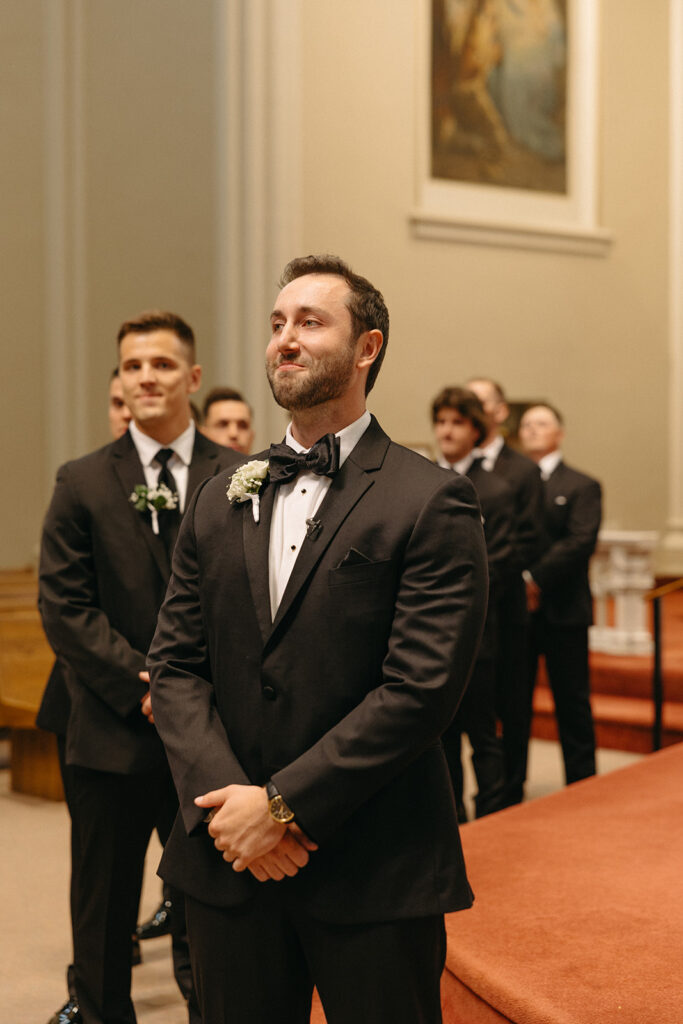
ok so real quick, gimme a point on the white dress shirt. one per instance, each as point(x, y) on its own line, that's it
point(297, 501)
point(461, 466)
point(490, 453)
point(549, 463)
point(178, 464)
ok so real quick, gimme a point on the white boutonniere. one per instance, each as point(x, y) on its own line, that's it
point(246, 482)
point(153, 499)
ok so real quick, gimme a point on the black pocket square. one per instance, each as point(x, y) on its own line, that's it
point(354, 557)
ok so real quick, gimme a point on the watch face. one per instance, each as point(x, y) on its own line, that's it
point(280, 811)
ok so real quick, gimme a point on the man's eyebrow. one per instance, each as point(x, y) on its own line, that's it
point(299, 310)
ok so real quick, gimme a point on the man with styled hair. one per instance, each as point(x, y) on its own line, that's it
point(460, 425)
point(321, 622)
point(522, 476)
point(226, 419)
point(105, 561)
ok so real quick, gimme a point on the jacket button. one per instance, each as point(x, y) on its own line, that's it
point(269, 693)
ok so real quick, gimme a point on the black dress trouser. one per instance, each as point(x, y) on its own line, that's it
point(258, 963)
point(112, 819)
point(566, 660)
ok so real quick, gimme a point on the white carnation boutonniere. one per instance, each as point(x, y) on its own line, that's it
point(246, 483)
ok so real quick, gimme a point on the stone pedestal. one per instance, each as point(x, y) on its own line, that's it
point(621, 573)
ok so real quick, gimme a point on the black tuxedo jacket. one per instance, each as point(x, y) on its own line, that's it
point(341, 699)
point(524, 479)
point(103, 576)
point(497, 502)
point(572, 514)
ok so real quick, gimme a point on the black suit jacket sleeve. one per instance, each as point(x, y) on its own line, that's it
point(574, 547)
point(76, 627)
point(438, 620)
point(186, 686)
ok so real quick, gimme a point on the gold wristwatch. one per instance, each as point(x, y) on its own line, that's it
point(279, 811)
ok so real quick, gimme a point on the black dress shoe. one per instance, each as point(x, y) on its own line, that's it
point(69, 1014)
point(159, 924)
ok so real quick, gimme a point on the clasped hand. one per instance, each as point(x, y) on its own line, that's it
point(244, 832)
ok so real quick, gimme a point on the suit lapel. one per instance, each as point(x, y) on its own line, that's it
point(204, 463)
point(256, 539)
point(128, 469)
point(346, 490)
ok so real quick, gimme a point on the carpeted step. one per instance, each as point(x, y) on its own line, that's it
point(578, 916)
point(621, 723)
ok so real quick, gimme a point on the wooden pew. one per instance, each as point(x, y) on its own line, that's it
point(25, 663)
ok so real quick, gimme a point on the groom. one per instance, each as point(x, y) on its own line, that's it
point(316, 639)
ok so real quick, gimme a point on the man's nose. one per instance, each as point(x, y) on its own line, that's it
point(287, 339)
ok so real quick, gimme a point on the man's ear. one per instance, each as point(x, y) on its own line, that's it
point(195, 378)
point(370, 347)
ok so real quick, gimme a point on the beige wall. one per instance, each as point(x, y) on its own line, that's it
point(142, 117)
point(109, 190)
point(588, 333)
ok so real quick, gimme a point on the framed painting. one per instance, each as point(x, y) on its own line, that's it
point(507, 123)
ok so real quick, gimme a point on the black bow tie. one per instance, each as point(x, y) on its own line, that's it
point(323, 459)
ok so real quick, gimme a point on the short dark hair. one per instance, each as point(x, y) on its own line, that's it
point(366, 304)
point(159, 320)
point(546, 405)
point(464, 402)
point(497, 388)
point(222, 394)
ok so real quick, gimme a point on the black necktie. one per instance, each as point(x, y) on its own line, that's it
point(322, 459)
point(475, 464)
point(168, 518)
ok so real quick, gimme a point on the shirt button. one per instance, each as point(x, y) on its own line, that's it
point(269, 693)
point(303, 490)
point(293, 547)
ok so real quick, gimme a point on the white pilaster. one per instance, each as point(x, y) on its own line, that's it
point(259, 182)
point(670, 559)
point(65, 346)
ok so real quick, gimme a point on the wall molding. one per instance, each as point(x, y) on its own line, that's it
point(670, 557)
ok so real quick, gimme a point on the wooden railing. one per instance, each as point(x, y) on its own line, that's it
point(655, 596)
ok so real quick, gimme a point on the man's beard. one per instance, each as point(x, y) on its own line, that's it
point(324, 380)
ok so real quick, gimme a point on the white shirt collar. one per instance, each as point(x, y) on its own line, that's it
point(490, 452)
point(147, 447)
point(348, 437)
point(549, 463)
point(461, 466)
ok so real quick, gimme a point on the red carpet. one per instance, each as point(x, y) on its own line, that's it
point(578, 916)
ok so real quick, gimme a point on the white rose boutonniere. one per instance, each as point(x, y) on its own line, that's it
point(153, 499)
point(246, 482)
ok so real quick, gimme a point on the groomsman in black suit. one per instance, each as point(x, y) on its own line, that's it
point(317, 637)
point(558, 590)
point(459, 426)
point(523, 477)
point(105, 562)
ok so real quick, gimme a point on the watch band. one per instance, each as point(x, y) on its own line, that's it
point(277, 807)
